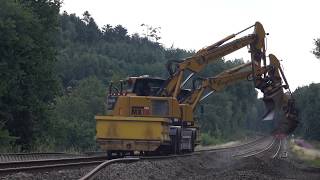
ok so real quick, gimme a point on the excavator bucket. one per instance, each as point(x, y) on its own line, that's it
point(280, 109)
point(273, 105)
point(270, 113)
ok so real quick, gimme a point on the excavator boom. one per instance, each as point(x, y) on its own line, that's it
point(210, 54)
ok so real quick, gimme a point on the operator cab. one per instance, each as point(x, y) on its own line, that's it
point(144, 85)
point(148, 86)
point(138, 86)
point(133, 86)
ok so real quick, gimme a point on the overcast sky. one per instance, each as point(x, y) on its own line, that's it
point(193, 24)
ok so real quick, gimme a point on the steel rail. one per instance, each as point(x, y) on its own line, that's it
point(7, 157)
point(37, 165)
point(34, 153)
point(97, 169)
point(49, 164)
point(251, 143)
point(264, 150)
point(250, 151)
point(254, 142)
point(16, 164)
point(129, 159)
point(278, 149)
point(47, 167)
point(255, 152)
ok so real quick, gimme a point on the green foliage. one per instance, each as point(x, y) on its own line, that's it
point(27, 80)
point(72, 124)
point(315, 162)
point(113, 54)
point(6, 140)
point(308, 104)
point(207, 139)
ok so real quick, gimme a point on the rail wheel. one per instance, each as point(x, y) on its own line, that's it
point(109, 154)
point(175, 142)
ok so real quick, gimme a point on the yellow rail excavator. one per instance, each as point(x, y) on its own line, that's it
point(154, 115)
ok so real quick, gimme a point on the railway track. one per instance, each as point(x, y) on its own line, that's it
point(9, 157)
point(270, 149)
point(131, 159)
point(101, 160)
point(49, 164)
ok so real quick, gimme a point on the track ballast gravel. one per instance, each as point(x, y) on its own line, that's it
point(210, 165)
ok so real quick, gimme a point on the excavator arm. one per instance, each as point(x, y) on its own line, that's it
point(210, 54)
point(222, 80)
point(267, 78)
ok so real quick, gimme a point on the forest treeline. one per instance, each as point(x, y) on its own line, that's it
point(55, 69)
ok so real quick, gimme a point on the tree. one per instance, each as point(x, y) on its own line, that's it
point(308, 104)
point(92, 32)
point(316, 50)
point(86, 17)
point(152, 33)
point(27, 80)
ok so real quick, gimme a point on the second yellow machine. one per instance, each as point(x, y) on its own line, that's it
point(154, 115)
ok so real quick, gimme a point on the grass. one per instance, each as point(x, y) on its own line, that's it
point(309, 156)
point(206, 140)
point(315, 162)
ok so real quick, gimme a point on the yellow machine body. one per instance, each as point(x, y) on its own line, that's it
point(139, 123)
point(131, 133)
point(146, 106)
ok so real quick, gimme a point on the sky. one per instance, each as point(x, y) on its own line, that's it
point(192, 24)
